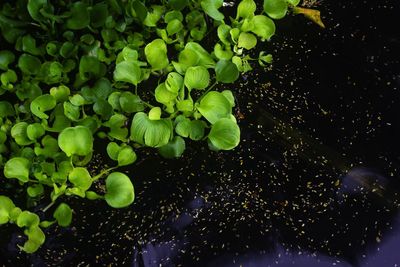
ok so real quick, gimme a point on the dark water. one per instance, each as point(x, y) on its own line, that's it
point(314, 182)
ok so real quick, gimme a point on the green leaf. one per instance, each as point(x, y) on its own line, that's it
point(192, 129)
point(156, 54)
point(17, 168)
point(211, 7)
point(76, 140)
point(229, 95)
point(103, 108)
point(178, 4)
point(224, 134)
point(174, 149)
point(63, 215)
point(71, 111)
point(29, 46)
point(90, 67)
point(127, 71)
point(155, 114)
point(42, 104)
point(153, 133)
point(6, 58)
point(36, 238)
point(245, 9)
point(276, 9)
point(35, 190)
point(214, 106)
point(120, 191)
point(19, 133)
point(50, 147)
point(28, 219)
point(60, 93)
point(223, 52)
point(138, 10)
point(34, 7)
point(223, 33)
point(163, 95)
point(197, 78)
point(80, 17)
point(98, 15)
point(6, 207)
point(247, 40)
point(174, 82)
point(34, 131)
point(80, 178)
point(6, 109)
point(264, 27)
point(29, 64)
point(204, 58)
point(117, 127)
point(226, 71)
point(126, 156)
point(154, 15)
point(174, 26)
point(185, 105)
point(293, 2)
point(113, 150)
point(130, 103)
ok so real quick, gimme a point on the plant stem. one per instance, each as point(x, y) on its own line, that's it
point(103, 172)
point(49, 206)
point(208, 90)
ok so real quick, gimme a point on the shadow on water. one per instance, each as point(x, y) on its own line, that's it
point(314, 181)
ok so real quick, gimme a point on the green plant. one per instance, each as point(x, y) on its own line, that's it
point(75, 71)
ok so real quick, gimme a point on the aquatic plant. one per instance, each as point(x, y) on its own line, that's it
point(133, 73)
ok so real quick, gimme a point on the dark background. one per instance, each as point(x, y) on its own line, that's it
point(314, 181)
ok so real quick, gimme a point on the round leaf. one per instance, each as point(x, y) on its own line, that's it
point(120, 192)
point(197, 78)
point(173, 149)
point(63, 215)
point(41, 104)
point(276, 9)
point(76, 140)
point(224, 134)
point(126, 156)
point(17, 168)
point(80, 178)
point(264, 27)
point(156, 54)
point(226, 71)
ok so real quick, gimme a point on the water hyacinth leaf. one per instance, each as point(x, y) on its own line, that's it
point(130, 103)
point(63, 215)
point(174, 82)
point(6, 207)
point(197, 78)
point(245, 9)
point(92, 195)
point(102, 88)
point(223, 33)
point(126, 156)
point(29, 64)
point(113, 150)
point(152, 133)
point(247, 40)
point(154, 15)
point(223, 52)
point(226, 71)
point(174, 149)
point(49, 149)
point(34, 7)
point(29, 46)
point(204, 58)
point(117, 127)
point(214, 106)
point(77, 100)
point(156, 54)
point(35, 190)
point(276, 9)
point(80, 17)
point(138, 10)
point(211, 7)
point(120, 191)
point(90, 67)
point(103, 108)
point(60, 93)
point(264, 27)
point(229, 95)
point(127, 71)
point(264, 59)
point(197, 129)
point(172, 15)
point(6, 109)
point(19, 133)
point(163, 95)
point(185, 105)
point(36, 238)
point(155, 114)
point(80, 178)
point(174, 26)
point(76, 140)
point(71, 111)
point(28, 219)
point(34, 131)
point(98, 15)
point(178, 4)
point(6, 58)
point(41, 104)
point(224, 134)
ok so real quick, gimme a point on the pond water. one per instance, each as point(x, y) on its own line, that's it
point(314, 182)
